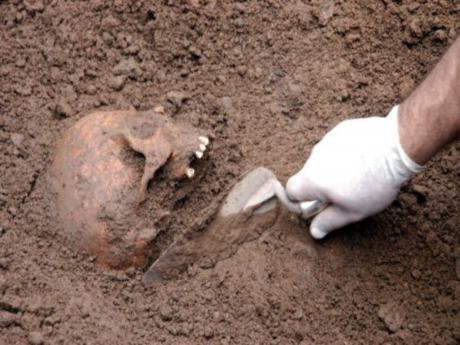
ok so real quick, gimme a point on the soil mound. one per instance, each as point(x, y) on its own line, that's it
point(266, 79)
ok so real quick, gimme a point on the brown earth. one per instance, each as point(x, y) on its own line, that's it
point(266, 79)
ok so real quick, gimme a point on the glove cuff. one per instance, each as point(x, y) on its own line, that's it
point(412, 166)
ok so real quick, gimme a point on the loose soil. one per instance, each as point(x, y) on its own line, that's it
point(266, 80)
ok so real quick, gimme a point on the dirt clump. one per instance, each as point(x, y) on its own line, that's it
point(266, 80)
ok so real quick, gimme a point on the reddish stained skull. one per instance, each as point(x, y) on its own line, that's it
point(93, 184)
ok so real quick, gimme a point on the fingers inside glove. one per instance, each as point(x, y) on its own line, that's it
point(299, 188)
point(331, 218)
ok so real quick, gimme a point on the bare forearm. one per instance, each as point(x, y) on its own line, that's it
point(430, 117)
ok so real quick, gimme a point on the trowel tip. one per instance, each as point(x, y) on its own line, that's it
point(151, 277)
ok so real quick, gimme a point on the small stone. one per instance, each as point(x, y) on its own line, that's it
point(36, 338)
point(114, 275)
point(133, 49)
point(107, 37)
point(166, 312)
point(218, 317)
point(17, 139)
point(3, 201)
point(412, 7)
point(63, 109)
point(34, 6)
point(91, 89)
point(7, 319)
point(5, 70)
point(416, 274)
point(242, 70)
point(91, 72)
point(4, 263)
point(419, 189)
point(206, 263)
point(221, 78)
point(391, 316)
point(184, 73)
point(415, 28)
point(195, 52)
point(20, 62)
point(352, 37)
point(208, 332)
point(441, 36)
point(52, 320)
point(110, 23)
point(343, 96)
point(326, 12)
point(117, 82)
point(298, 315)
point(177, 97)
point(128, 67)
point(239, 22)
point(12, 303)
point(194, 3)
point(23, 90)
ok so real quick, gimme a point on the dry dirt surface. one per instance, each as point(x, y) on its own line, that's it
point(266, 80)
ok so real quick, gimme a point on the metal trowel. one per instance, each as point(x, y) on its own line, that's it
point(244, 215)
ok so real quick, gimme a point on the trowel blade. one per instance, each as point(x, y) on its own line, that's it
point(251, 191)
point(222, 238)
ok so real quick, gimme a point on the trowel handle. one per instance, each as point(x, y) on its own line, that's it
point(311, 208)
point(306, 209)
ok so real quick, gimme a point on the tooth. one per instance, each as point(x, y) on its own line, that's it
point(202, 147)
point(190, 172)
point(204, 140)
point(198, 154)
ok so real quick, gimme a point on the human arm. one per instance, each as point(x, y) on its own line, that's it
point(429, 118)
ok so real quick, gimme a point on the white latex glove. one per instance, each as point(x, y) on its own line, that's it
point(358, 168)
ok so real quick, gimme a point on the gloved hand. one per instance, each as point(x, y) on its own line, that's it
point(358, 168)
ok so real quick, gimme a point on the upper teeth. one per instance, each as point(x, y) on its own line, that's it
point(204, 140)
point(190, 172)
point(198, 154)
